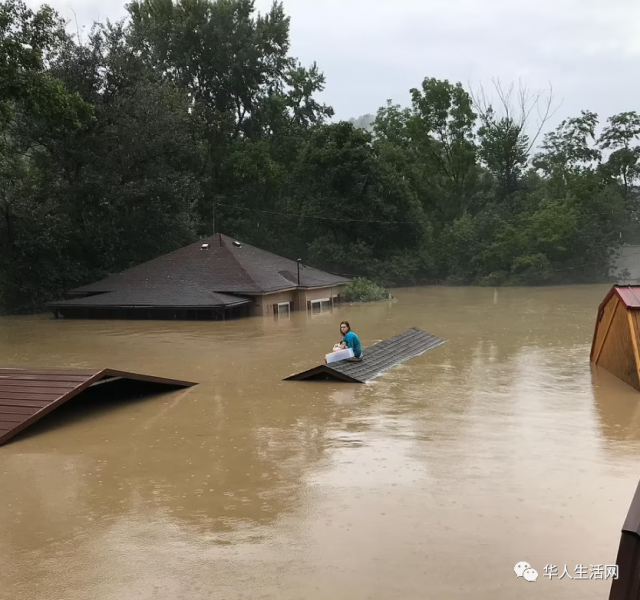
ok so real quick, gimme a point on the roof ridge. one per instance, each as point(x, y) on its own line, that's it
point(227, 269)
point(287, 264)
point(152, 260)
point(251, 279)
point(279, 256)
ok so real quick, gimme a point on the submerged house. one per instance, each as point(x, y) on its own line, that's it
point(214, 278)
point(616, 337)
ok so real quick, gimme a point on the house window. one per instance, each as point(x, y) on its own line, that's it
point(282, 309)
point(320, 306)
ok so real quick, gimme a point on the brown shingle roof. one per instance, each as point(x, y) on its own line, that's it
point(187, 296)
point(270, 272)
point(186, 276)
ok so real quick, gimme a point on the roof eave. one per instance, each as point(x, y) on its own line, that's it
point(147, 306)
point(305, 287)
point(310, 374)
point(80, 292)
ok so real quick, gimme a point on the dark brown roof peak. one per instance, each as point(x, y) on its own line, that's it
point(217, 265)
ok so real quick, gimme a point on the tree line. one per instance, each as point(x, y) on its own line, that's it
point(191, 116)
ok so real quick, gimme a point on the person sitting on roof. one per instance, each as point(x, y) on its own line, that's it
point(350, 340)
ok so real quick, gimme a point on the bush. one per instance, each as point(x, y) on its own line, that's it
point(495, 279)
point(364, 290)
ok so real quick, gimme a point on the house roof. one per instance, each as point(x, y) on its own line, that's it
point(630, 295)
point(198, 275)
point(187, 296)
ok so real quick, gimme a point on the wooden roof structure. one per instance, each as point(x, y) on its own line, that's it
point(376, 360)
point(616, 337)
point(27, 395)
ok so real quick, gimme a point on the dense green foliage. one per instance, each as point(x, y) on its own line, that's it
point(194, 115)
point(362, 289)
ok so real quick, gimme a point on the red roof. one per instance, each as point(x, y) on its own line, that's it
point(27, 395)
point(629, 294)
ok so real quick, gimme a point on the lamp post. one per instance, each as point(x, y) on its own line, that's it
point(298, 290)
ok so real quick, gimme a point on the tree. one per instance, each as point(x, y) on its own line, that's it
point(34, 105)
point(573, 188)
point(29, 41)
point(93, 199)
point(624, 161)
point(507, 134)
point(570, 148)
point(128, 146)
point(353, 206)
point(236, 68)
point(442, 125)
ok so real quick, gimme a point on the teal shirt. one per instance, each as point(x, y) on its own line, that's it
point(353, 341)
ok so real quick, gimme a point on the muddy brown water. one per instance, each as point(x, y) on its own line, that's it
point(433, 481)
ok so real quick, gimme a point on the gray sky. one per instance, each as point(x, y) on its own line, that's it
point(374, 50)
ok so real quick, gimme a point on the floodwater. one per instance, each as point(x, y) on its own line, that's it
point(432, 481)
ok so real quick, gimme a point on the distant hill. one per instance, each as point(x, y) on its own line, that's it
point(364, 122)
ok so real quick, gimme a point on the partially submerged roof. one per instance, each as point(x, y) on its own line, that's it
point(376, 360)
point(626, 582)
point(217, 264)
point(27, 395)
point(629, 294)
point(148, 296)
point(616, 335)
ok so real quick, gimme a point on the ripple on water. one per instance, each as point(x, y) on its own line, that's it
point(502, 445)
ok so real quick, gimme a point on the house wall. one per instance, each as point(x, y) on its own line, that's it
point(263, 305)
point(332, 292)
point(604, 325)
point(618, 355)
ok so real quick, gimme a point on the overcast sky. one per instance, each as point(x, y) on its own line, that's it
point(374, 50)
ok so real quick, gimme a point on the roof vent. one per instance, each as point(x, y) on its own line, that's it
point(205, 246)
point(237, 244)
